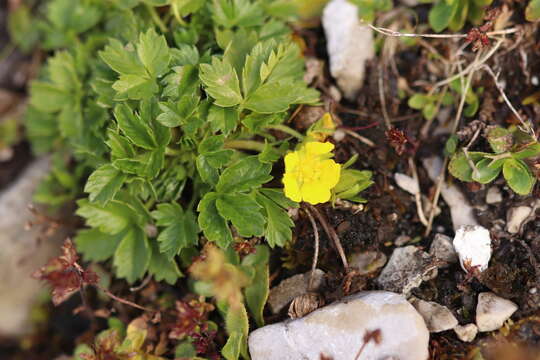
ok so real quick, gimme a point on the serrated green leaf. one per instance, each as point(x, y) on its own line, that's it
point(223, 119)
point(221, 82)
point(153, 52)
point(21, 28)
point(96, 245)
point(132, 257)
point(163, 268)
point(104, 183)
point(213, 225)
point(245, 175)
point(48, 97)
point(208, 173)
point(279, 96)
point(111, 218)
point(138, 131)
point(518, 176)
point(278, 222)
point(119, 145)
point(135, 87)
point(244, 213)
point(180, 232)
point(122, 59)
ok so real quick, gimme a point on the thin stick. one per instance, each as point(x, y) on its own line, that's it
point(123, 301)
point(527, 126)
point(390, 32)
point(363, 139)
point(445, 164)
point(417, 195)
point(332, 235)
point(142, 284)
point(316, 253)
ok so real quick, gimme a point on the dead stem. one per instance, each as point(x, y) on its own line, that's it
point(390, 32)
point(123, 301)
point(316, 252)
point(331, 232)
point(142, 284)
point(527, 126)
point(417, 195)
point(363, 139)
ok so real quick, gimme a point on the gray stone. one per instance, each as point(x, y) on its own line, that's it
point(443, 250)
point(407, 268)
point(493, 195)
point(437, 317)
point(367, 262)
point(349, 44)
point(466, 333)
point(336, 331)
point(407, 183)
point(492, 311)
point(22, 253)
point(281, 295)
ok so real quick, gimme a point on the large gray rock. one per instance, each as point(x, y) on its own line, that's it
point(337, 331)
point(349, 44)
point(21, 252)
point(407, 268)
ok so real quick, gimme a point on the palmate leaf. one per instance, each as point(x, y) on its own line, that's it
point(221, 82)
point(132, 256)
point(104, 183)
point(136, 129)
point(278, 222)
point(96, 245)
point(153, 52)
point(244, 175)
point(244, 213)
point(181, 230)
point(162, 267)
point(213, 225)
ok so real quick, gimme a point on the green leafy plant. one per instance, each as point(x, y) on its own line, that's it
point(367, 9)
point(162, 117)
point(511, 151)
point(430, 103)
point(453, 14)
point(532, 13)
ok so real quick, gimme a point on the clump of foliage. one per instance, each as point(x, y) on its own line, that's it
point(514, 153)
point(367, 9)
point(453, 14)
point(169, 116)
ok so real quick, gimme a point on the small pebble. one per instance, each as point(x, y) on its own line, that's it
point(492, 311)
point(493, 195)
point(473, 246)
point(438, 318)
point(466, 333)
point(515, 218)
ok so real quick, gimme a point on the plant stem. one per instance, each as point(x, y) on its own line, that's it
point(156, 19)
point(123, 301)
point(316, 253)
point(287, 130)
point(244, 145)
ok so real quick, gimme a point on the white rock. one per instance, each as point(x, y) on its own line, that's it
point(337, 330)
point(21, 252)
point(367, 262)
point(442, 249)
point(407, 183)
point(407, 268)
point(437, 317)
point(282, 294)
point(349, 45)
point(466, 333)
point(515, 217)
point(492, 311)
point(473, 246)
point(461, 211)
point(493, 195)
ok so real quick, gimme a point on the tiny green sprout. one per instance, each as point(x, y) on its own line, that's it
point(509, 157)
point(430, 103)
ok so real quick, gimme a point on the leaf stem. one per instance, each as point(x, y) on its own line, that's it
point(244, 145)
point(155, 18)
point(287, 130)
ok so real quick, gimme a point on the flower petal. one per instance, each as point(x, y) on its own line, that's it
point(291, 188)
point(314, 193)
point(318, 148)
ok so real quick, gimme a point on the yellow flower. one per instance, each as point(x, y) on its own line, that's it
point(323, 128)
point(310, 174)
